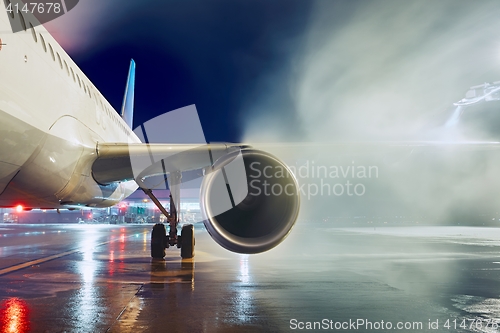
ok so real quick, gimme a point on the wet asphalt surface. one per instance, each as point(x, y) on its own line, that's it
point(100, 278)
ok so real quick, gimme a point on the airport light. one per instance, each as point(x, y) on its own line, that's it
point(19, 208)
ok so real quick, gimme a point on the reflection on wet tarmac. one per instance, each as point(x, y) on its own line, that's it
point(86, 299)
point(14, 316)
point(243, 302)
point(172, 271)
point(108, 283)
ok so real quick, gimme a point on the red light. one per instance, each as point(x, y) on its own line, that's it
point(123, 205)
point(90, 216)
point(14, 316)
point(19, 208)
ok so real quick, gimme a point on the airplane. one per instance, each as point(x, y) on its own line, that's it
point(64, 146)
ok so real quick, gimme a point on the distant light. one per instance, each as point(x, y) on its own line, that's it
point(19, 208)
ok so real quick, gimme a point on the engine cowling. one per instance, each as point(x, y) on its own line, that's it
point(250, 201)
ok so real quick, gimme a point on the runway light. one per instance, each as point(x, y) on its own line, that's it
point(19, 208)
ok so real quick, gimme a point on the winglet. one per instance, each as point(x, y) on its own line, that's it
point(128, 99)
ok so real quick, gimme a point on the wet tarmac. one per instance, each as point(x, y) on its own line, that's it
point(100, 278)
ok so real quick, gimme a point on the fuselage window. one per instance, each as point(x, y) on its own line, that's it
point(52, 52)
point(23, 22)
point(73, 74)
point(33, 32)
point(78, 79)
point(59, 60)
point(84, 88)
point(42, 41)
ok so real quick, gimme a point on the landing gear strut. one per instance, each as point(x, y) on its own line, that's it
point(159, 238)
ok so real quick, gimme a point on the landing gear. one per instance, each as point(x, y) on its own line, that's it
point(159, 238)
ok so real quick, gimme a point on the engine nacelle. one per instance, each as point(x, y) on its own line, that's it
point(250, 201)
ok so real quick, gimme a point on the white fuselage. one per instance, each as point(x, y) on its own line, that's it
point(51, 120)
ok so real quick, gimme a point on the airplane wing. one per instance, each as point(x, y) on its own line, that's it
point(122, 162)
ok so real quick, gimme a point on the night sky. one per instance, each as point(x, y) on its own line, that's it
point(210, 53)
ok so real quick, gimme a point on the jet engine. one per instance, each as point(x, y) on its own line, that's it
point(249, 201)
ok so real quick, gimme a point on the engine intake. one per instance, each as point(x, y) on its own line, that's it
point(250, 201)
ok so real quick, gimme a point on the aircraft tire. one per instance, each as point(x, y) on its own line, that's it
point(187, 241)
point(158, 239)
